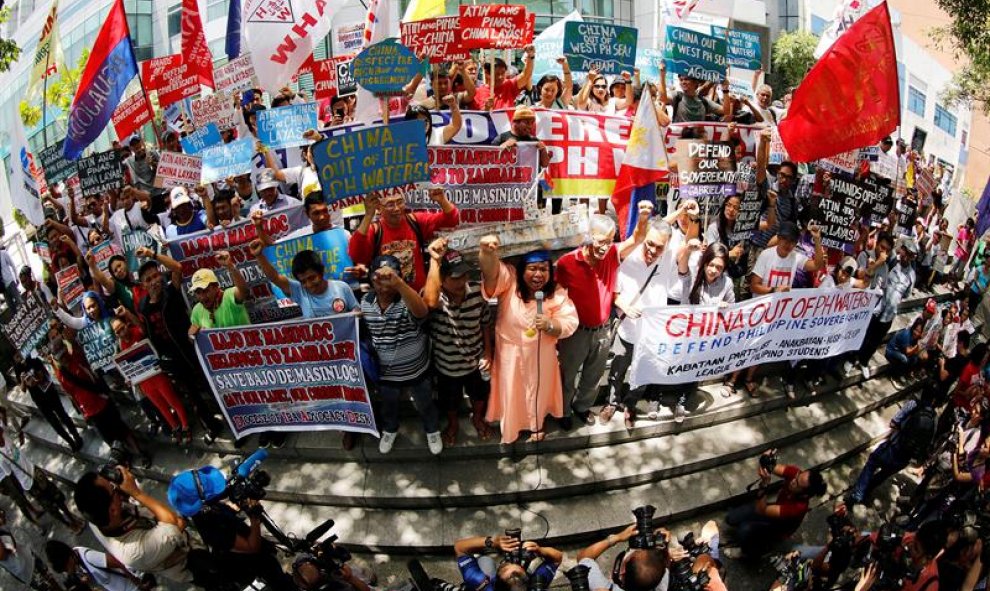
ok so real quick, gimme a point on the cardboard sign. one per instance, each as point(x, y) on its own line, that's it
point(28, 326)
point(284, 127)
point(705, 170)
point(236, 75)
point(56, 167)
point(847, 162)
point(778, 151)
point(224, 160)
point(838, 216)
point(438, 38)
point(297, 376)
point(907, 213)
point(610, 49)
point(648, 61)
point(924, 182)
point(134, 239)
point(138, 363)
point(350, 37)
point(690, 53)
point(99, 344)
point(103, 252)
point(100, 173)
point(179, 83)
point(213, 108)
point(372, 159)
point(70, 287)
point(131, 115)
point(331, 245)
point(386, 67)
point(494, 26)
point(201, 139)
point(155, 72)
point(750, 206)
point(743, 48)
point(178, 170)
point(864, 195)
point(486, 183)
point(555, 232)
point(333, 77)
point(43, 251)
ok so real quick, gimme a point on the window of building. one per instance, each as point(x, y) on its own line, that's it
point(218, 48)
point(916, 101)
point(216, 9)
point(945, 120)
point(174, 21)
point(789, 14)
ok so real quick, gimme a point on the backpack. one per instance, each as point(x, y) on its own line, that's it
point(376, 230)
point(917, 432)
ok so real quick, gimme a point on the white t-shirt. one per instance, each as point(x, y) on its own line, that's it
point(14, 462)
point(304, 176)
point(122, 222)
point(160, 550)
point(775, 271)
point(18, 561)
point(95, 563)
point(633, 273)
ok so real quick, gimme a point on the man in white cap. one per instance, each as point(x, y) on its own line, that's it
point(270, 197)
point(183, 217)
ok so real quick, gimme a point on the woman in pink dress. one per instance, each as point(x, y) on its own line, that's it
point(525, 375)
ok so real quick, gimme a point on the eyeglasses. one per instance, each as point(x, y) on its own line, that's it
point(601, 86)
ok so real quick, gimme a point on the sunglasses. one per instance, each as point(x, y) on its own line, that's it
point(601, 86)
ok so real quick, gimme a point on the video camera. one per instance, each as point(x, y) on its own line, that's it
point(768, 461)
point(682, 575)
point(325, 557)
point(119, 456)
point(248, 481)
point(893, 561)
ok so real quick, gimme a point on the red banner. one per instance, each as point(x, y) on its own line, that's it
point(332, 77)
point(195, 51)
point(495, 26)
point(438, 38)
point(131, 115)
point(178, 84)
point(850, 97)
point(153, 70)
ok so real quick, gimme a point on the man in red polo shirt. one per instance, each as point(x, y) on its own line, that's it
point(589, 274)
point(505, 89)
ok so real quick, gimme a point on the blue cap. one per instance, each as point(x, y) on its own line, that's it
point(187, 497)
point(536, 256)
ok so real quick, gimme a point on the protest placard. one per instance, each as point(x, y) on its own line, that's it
point(224, 160)
point(284, 127)
point(743, 48)
point(156, 70)
point(693, 54)
point(203, 137)
point(70, 287)
point(44, 251)
point(213, 108)
point(198, 251)
point(325, 79)
point(750, 205)
point(372, 159)
point(610, 49)
point(846, 162)
point(100, 173)
point(439, 39)
point(56, 167)
point(131, 114)
point(99, 344)
point(563, 230)
point(236, 75)
point(386, 67)
point(179, 83)
point(178, 170)
point(682, 344)
point(494, 26)
point(138, 363)
point(297, 376)
point(865, 194)
point(924, 181)
point(102, 253)
point(778, 151)
point(350, 37)
point(331, 245)
point(648, 62)
point(134, 238)
point(838, 215)
point(907, 213)
point(28, 326)
point(486, 183)
point(706, 171)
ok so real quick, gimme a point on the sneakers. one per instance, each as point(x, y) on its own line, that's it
point(433, 440)
point(654, 410)
point(866, 372)
point(848, 367)
point(679, 412)
point(388, 440)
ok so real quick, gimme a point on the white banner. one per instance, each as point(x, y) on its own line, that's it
point(681, 344)
point(281, 35)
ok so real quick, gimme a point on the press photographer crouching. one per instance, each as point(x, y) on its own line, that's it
point(524, 566)
point(653, 560)
point(214, 505)
point(760, 525)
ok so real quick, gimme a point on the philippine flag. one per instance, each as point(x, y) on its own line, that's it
point(644, 164)
point(109, 69)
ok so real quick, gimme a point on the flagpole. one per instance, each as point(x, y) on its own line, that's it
point(44, 97)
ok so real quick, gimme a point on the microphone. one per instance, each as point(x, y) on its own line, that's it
point(251, 462)
point(539, 302)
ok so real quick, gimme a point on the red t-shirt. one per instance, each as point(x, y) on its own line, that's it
point(505, 95)
point(791, 506)
point(402, 243)
point(591, 289)
point(74, 380)
point(959, 397)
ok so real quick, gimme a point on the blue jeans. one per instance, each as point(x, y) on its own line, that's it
point(884, 462)
point(756, 533)
point(422, 397)
point(899, 360)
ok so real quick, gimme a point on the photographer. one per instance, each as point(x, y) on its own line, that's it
point(819, 567)
point(904, 563)
point(237, 547)
point(762, 524)
point(138, 530)
point(522, 565)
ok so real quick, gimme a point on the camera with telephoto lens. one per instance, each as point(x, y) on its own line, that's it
point(682, 575)
point(768, 460)
point(119, 456)
point(793, 573)
point(892, 560)
point(248, 481)
point(518, 556)
point(578, 577)
point(645, 536)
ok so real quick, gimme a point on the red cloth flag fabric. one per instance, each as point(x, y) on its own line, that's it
point(850, 97)
point(644, 163)
point(195, 51)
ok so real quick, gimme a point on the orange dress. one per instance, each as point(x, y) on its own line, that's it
point(526, 383)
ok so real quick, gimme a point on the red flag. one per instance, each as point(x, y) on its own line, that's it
point(850, 98)
point(132, 114)
point(195, 52)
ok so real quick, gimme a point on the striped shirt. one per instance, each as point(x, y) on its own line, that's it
point(457, 332)
point(787, 211)
point(402, 345)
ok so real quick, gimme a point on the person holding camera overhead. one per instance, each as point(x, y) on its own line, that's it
point(238, 549)
point(524, 565)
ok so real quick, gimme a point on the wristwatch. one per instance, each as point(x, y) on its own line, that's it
point(489, 543)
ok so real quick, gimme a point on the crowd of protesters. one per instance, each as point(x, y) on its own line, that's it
point(523, 342)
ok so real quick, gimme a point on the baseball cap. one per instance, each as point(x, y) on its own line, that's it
point(202, 279)
point(930, 306)
point(266, 180)
point(910, 245)
point(523, 113)
point(386, 260)
point(452, 264)
point(849, 264)
point(190, 489)
point(179, 196)
point(498, 62)
point(788, 230)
